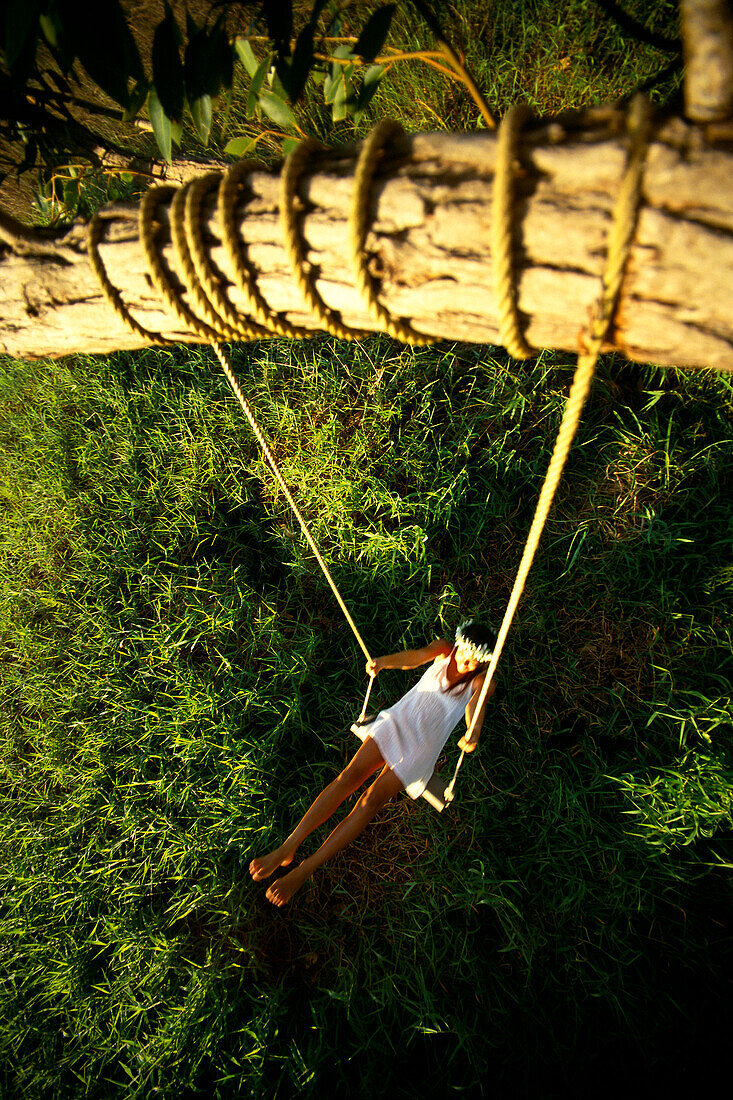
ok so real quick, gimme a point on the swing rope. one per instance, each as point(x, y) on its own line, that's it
point(625, 215)
point(217, 319)
point(183, 233)
point(259, 436)
point(220, 320)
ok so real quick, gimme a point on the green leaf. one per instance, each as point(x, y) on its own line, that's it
point(339, 74)
point(208, 61)
point(276, 85)
point(201, 113)
point(332, 85)
point(373, 75)
point(21, 22)
point(276, 109)
point(339, 102)
point(279, 17)
point(138, 95)
point(50, 28)
point(295, 73)
point(246, 56)
point(168, 74)
point(103, 43)
point(343, 51)
point(161, 124)
point(374, 33)
point(282, 75)
point(70, 192)
point(316, 10)
point(219, 70)
point(193, 59)
point(372, 79)
point(256, 85)
point(237, 147)
point(289, 145)
point(301, 64)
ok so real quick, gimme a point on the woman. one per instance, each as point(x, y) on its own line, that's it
point(403, 744)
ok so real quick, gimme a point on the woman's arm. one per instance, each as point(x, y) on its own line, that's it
point(469, 746)
point(409, 658)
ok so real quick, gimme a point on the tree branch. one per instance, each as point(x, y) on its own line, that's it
point(429, 247)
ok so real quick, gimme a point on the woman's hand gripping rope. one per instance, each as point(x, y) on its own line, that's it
point(474, 732)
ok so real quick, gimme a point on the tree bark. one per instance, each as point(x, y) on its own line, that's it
point(429, 247)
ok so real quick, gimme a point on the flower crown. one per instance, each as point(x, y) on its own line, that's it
point(480, 651)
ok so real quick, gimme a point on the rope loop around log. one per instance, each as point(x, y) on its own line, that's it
point(371, 150)
point(214, 316)
point(289, 178)
point(503, 234)
point(202, 278)
point(149, 230)
point(232, 185)
point(111, 293)
point(208, 315)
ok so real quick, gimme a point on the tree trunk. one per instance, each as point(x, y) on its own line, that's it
point(429, 247)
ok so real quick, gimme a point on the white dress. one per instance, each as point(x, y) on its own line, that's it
point(411, 734)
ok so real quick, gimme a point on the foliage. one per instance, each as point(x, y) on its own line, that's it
point(187, 72)
point(43, 43)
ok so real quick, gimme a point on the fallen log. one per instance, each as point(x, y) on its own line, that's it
point(429, 246)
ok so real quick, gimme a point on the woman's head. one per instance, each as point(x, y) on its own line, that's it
point(474, 645)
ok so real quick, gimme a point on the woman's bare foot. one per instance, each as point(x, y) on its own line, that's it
point(280, 892)
point(267, 865)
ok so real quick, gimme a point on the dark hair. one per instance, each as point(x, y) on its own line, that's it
point(479, 635)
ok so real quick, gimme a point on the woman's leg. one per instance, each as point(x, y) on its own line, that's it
point(382, 789)
point(363, 763)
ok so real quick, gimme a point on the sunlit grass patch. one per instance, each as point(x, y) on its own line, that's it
point(677, 805)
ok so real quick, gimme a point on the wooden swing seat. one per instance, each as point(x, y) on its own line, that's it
point(434, 793)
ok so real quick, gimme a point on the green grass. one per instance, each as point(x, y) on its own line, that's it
point(176, 684)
